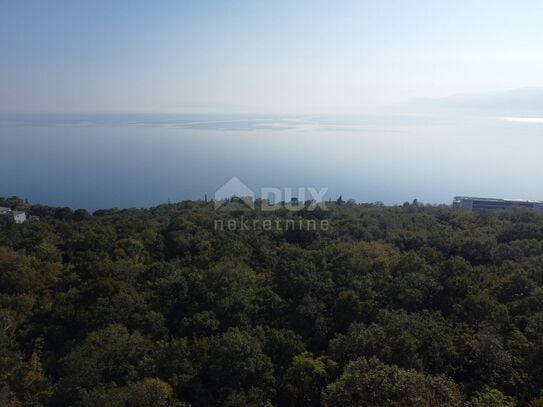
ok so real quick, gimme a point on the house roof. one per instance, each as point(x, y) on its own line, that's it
point(11, 213)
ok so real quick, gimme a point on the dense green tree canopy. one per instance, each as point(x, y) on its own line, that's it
point(408, 305)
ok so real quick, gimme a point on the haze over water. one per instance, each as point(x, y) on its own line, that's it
point(266, 89)
point(105, 160)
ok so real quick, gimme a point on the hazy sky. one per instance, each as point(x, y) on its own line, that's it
point(293, 56)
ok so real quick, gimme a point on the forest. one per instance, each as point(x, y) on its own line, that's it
point(407, 305)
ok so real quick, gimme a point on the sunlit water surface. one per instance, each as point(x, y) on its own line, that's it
point(97, 161)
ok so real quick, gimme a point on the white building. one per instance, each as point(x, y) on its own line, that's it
point(482, 204)
point(16, 216)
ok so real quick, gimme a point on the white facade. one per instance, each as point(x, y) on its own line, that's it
point(480, 204)
point(19, 217)
point(16, 216)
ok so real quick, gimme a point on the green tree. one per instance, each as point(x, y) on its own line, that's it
point(232, 362)
point(109, 356)
point(304, 380)
point(30, 383)
point(369, 382)
point(489, 397)
point(151, 392)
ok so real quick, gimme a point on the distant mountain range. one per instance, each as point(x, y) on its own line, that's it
point(523, 102)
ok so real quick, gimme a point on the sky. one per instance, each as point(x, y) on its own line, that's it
point(248, 56)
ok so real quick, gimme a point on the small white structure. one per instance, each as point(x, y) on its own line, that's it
point(16, 216)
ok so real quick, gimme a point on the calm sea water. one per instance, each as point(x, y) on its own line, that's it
point(99, 161)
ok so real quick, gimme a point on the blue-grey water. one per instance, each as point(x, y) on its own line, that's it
point(98, 161)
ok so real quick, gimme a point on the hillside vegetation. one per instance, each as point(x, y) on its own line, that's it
point(390, 306)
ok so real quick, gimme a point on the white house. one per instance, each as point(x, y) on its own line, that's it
point(16, 216)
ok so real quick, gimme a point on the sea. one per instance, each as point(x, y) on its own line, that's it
point(97, 161)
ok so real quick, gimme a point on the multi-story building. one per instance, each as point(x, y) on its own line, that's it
point(482, 204)
point(16, 216)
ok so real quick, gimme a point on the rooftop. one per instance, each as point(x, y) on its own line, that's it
point(472, 198)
